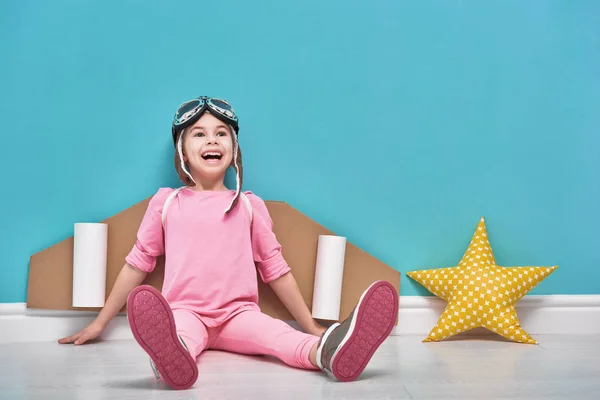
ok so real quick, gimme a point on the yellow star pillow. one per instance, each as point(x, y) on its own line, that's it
point(479, 292)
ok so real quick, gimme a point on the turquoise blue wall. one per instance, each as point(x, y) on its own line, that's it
point(396, 123)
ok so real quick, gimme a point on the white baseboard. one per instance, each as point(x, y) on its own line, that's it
point(20, 324)
point(539, 315)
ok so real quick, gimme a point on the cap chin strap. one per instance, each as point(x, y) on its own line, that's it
point(235, 166)
point(180, 151)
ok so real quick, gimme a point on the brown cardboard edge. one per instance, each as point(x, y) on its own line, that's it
point(50, 272)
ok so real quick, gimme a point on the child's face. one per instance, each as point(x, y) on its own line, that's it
point(208, 148)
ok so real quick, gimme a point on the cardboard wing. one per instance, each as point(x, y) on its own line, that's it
point(50, 281)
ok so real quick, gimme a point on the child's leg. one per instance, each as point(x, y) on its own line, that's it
point(255, 333)
point(191, 330)
point(346, 348)
point(153, 326)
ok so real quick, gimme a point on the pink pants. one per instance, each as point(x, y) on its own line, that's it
point(250, 332)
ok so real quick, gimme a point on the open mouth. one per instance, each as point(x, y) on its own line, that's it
point(212, 155)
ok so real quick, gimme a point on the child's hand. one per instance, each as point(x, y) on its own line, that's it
point(317, 329)
point(92, 331)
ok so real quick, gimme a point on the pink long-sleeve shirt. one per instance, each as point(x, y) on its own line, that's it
point(211, 259)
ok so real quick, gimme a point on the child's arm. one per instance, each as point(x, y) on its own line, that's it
point(140, 261)
point(128, 279)
point(286, 288)
point(274, 269)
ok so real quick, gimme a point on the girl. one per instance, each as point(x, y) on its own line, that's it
point(213, 246)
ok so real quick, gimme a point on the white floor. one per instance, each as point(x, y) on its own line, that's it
point(561, 367)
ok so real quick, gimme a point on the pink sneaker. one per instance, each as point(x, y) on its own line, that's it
point(345, 349)
point(151, 321)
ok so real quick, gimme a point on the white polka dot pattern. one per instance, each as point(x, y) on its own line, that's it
point(480, 293)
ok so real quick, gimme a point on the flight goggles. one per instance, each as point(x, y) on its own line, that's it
point(190, 111)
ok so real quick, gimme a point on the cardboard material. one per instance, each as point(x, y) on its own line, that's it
point(51, 270)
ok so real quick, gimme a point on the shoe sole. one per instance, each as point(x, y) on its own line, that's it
point(153, 326)
point(372, 322)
